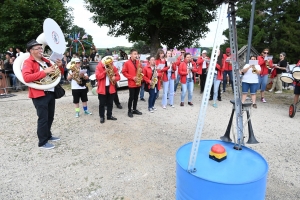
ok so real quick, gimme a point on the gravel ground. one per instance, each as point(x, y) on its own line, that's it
point(132, 158)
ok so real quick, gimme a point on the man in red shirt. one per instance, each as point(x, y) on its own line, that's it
point(130, 71)
point(227, 66)
point(43, 100)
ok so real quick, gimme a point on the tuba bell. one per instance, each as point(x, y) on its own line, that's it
point(108, 61)
point(54, 38)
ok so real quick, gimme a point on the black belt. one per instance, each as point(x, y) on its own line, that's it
point(48, 92)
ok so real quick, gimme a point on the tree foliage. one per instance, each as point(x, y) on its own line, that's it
point(22, 20)
point(142, 47)
point(174, 23)
point(88, 45)
point(276, 26)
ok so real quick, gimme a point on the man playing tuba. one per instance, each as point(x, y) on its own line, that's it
point(35, 68)
point(107, 75)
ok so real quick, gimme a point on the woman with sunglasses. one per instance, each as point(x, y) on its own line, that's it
point(279, 69)
point(265, 64)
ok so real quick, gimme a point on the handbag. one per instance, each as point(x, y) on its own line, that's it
point(59, 91)
point(146, 87)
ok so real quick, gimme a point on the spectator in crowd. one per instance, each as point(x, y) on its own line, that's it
point(108, 53)
point(7, 57)
point(227, 65)
point(2, 79)
point(8, 66)
point(265, 63)
point(83, 55)
point(69, 58)
point(64, 65)
point(11, 51)
point(123, 55)
point(203, 63)
point(97, 58)
point(19, 52)
point(93, 55)
point(250, 81)
point(85, 65)
point(115, 55)
point(278, 70)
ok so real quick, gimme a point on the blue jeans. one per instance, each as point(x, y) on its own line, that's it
point(176, 82)
point(168, 89)
point(188, 86)
point(152, 97)
point(229, 72)
point(14, 79)
point(216, 87)
point(262, 82)
point(142, 90)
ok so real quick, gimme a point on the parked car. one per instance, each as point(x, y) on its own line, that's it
point(123, 82)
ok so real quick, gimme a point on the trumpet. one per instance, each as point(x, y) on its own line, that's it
point(254, 70)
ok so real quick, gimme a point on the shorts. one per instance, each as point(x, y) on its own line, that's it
point(247, 86)
point(262, 82)
point(297, 90)
point(79, 93)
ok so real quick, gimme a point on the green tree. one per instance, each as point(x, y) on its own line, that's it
point(22, 20)
point(87, 43)
point(173, 23)
point(276, 27)
point(142, 47)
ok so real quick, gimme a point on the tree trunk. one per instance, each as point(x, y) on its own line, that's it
point(155, 42)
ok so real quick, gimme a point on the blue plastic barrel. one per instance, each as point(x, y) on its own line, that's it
point(242, 176)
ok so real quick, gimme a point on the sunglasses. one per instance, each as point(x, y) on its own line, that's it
point(77, 62)
point(182, 52)
point(266, 52)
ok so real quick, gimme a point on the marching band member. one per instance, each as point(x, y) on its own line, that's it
point(43, 100)
point(218, 77)
point(159, 59)
point(250, 81)
point(151, 77)
point(132, 70)
point(79, 90)
point(168, 82)
point(179, 60)
point(227, 65)
point(265, 63)
point(186, 70)
point(107, 76)
point(203, 63)
point(279, 69)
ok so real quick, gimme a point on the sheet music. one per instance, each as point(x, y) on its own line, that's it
point(269, 57)
point(83, 71)
point(143, 57)
point(253, 62)
point(54, 56)
point(160, 66)
point(171, 59)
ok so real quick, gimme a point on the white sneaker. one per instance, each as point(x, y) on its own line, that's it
point(164, 107)
point(151, 110)
point(271, 90)
point(278, 92)
point(172, 106)
point(154, 108)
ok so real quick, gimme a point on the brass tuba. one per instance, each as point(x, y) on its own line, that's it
point(54, 38)
point(108, 61)
point(139, 75)
point(75, 72)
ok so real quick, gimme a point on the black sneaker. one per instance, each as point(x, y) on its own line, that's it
point(137, 112)
point(210, 98)
point(53, 139)
point(102, 120)
point(142, 99)
point(111, 118)
point(219, 99)
point(130, 114)
point(119, 106)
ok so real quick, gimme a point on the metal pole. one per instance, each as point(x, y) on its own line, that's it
point(250, 31)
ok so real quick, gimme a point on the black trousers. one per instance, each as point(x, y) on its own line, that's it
point(106, 100)
point(45, 108)
point(202, 80)
point(133, 98)
point(116, 98)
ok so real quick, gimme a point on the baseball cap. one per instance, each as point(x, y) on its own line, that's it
point(76, 60)
point(204, 51)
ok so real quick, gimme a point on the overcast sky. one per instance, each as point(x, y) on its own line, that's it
point(99, 34)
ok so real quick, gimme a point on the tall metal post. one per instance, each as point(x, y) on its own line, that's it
point(250, 31)
point(236, 73)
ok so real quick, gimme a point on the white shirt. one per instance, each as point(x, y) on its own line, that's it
point(74, 84)
point(249, 77)
point(204, 63)
point(170, 68)
point(190, 74)
point(107, 81)
point(41, 69)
